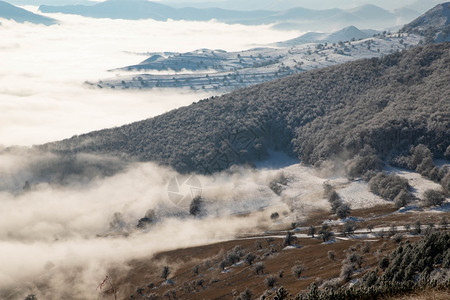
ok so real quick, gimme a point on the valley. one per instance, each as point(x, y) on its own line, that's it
point(224, 150)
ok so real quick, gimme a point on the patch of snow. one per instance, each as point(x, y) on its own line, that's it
point(445, 207)
point(415, 180)
point(292, 247)
point(409, 208)
point(330, 242)
point(239, 263)
point(357, 195)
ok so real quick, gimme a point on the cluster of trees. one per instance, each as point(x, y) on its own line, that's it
point(341, 209)
point(391, 187)
point(386, 104)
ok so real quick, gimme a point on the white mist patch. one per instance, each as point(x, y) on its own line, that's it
point(51, 230)
point(43, 68)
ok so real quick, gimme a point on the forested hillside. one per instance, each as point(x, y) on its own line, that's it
point(374, 106)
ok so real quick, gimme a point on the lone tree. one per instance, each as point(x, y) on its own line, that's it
point(250, 258)
point(196, 207)
point(270, 281)
point(312, 231)
point(259, 268)
point(325, 233)
point(343, 210)
point(289, 239)
point(298, 269)
point(384, 263)
point(165, 273)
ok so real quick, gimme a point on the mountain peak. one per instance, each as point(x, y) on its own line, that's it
point(11, 12)
point(434, 24)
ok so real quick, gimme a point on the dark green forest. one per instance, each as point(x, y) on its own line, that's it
point(372, 108)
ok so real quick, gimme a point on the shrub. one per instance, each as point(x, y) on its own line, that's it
point(433, 198)
point(196, 208)
point(278, 184)
point(165, 272)
point(270, 281)
point(140, 290)
point(417, 227)
point(388, 186)
point(327, 190)
point(245, 295)
point(398, 237)
point(366, 247)
point(223, 264)
point(383, 263)
point(289, 239)
point(343, 211)
point(355, 259)
point(407, 227)
point(361, 164)
point(331, 255)
point(250, 258)
point(402, 199)
point(445, 182)
point(196, 269)
point(334, 197)
point(311, 231)
point(274, 216)
point(325, 233)
point(444, 222)
point(348, 227)
point(259, 268)
point(152, 296)
point(346, 272)
point(298, 269)
point(281, 294)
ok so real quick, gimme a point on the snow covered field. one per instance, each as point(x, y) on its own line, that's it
point(222, 71)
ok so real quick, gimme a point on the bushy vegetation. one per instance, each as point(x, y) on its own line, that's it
point(341, 209)
point(384, 105)
point(410, 267)
point(433, 198)
point(389, 186)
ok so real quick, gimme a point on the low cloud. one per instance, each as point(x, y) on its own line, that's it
point(49, 231)
point(42, 96)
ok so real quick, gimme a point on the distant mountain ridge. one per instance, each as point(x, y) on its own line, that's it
point(434, 24)
point(345, 34)
point(11, 12)
point(293, 18)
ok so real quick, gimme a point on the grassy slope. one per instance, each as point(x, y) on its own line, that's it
point(313, 254)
